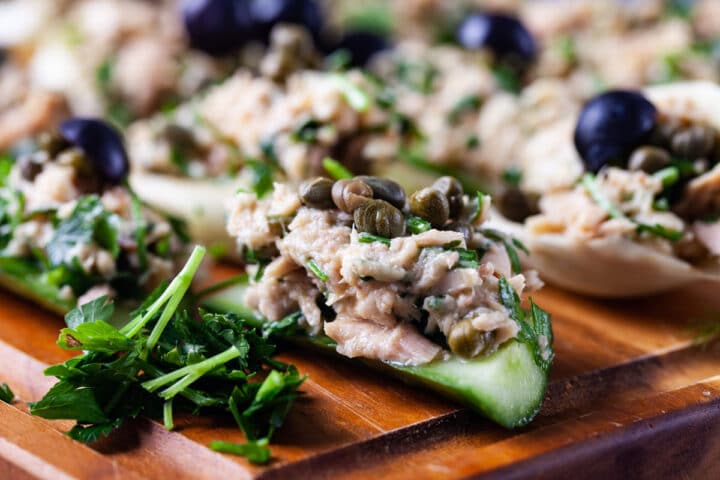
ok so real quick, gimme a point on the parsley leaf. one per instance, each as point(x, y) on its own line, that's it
point(537, 335)
point(6, 395)
point(366, 237)
point(88, 222)
point(336, 169)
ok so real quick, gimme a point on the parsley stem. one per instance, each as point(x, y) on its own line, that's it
point(189, 374)
point(177, 288)
point(358, 99)
point(168, 415)
point(336, 170)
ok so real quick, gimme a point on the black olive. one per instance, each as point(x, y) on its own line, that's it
point(361, 46)
point(317, 193)
point(265, 14)
point(504, 35)
point(217, 27)
point(101, 144)
point(385, 189)
point(611, 125)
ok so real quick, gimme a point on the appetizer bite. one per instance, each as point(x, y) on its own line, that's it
point(416, 285)
point(644, 217)
point(71, 230)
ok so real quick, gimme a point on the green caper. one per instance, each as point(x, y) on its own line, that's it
point(385, 189)
point(517, 205)
point(461, 227)
point(378, 217)
point(649, 159)
point(179, 137)
point(665, 129)
point(453, 190)
point(317, 193)
point(693, 142)
point(466, 341)
point(432, 205)
point(349, 194)
point(52, 143)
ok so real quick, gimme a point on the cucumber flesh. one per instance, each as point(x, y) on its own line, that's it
point(506, 386)
point(34, 288)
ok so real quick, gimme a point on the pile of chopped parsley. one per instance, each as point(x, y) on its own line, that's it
point(169, 357)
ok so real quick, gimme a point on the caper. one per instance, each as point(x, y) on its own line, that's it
point(317, 193)
point(385, 189)
point(453, 190)
point(461, 227)
point(693, 142)
point(432, 205)
point(649, 159)
point(349, 194)
point(466, 341)
point(179, 136)
point(665, 129)
point(378, 217)
point(29, 168)
point(52, 143)
point(517, 205)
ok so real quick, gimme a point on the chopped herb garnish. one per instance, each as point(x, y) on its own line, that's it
point(466, 104)
point(339, 60)
point(336, 170)
point(262, 177)
point(512, 176)
point(566, 48)
point(668, 176)
point(179, 159)
point(480, 201)
point(256, 452)
point(141, 228)
point(468, 258)
point(356, 97)
point(316, 270)
point(365, 237)
point(88, 222)
point(537, 335)
point(507, 79)
point(307, 131)
point(163, 360)
point(510, 245)
point(418, 76)
point(472, 142)
point(591, 186)
point(417, 225)
point(6, 395)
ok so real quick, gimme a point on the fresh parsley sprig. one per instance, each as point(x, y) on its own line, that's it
point(164, 360)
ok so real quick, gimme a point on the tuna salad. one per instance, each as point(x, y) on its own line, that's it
point(401, 280)
point(71, 230)
point(648, 193)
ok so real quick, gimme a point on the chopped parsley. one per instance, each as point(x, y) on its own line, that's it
point(511, 246)
point(316, 270)
point(356, 97)
point(417, 225)
point(512, 176)
point(336, 169)
point(6, 395)
point(307, 131)
point(589, 183)
point(366, 237)
point(466, 104)
point(530, 333)
point(262, 177)
point(163, 360)
point(507, 78)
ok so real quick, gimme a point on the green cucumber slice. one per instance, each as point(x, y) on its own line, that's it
point(34, 288)
point(506, 386)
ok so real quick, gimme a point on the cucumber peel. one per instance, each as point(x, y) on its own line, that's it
point(35, 288)
point(507, 386)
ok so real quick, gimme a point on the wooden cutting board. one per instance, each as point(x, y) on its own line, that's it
point(631, 396)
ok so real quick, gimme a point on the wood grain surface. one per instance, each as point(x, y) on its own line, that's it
point(631, 396)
